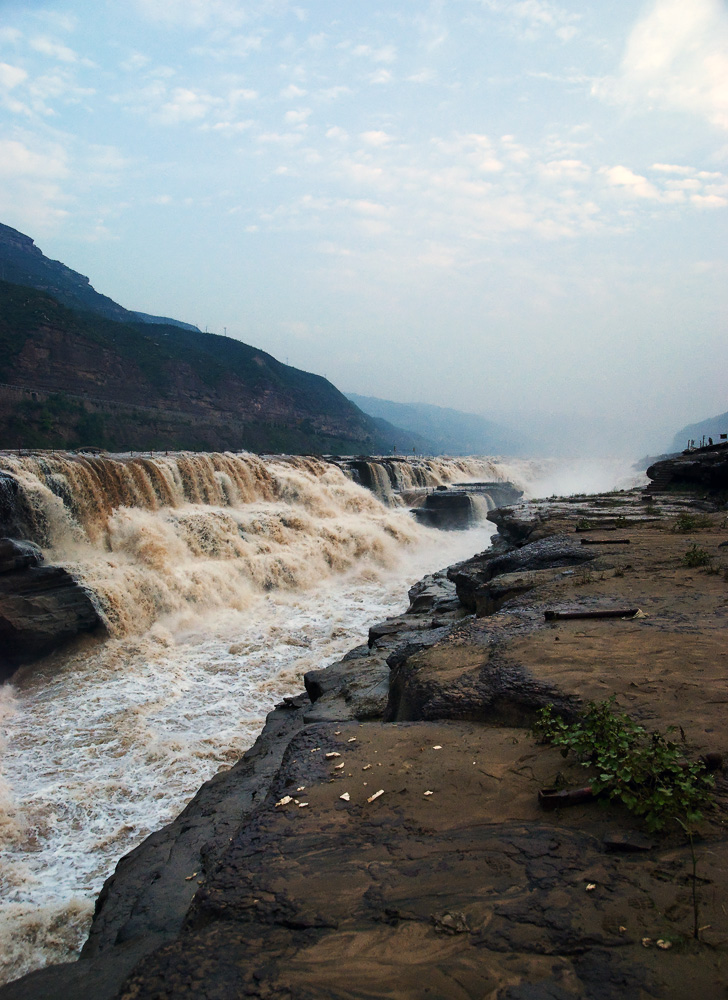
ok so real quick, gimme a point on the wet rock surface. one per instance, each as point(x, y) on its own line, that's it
point(15, 554)
point(41, 607)
point(383, 837)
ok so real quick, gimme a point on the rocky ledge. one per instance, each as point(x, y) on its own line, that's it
point(41, 607)
point(706, 467)
point(383, 837)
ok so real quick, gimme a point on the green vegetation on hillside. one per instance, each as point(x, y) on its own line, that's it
point(251, 400)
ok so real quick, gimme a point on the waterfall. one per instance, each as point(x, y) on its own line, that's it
point(150, 536)
point(396, 480)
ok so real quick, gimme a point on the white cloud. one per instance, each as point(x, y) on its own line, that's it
point(176, 105)
point(671, 168)
point(22, 94)
point(676, 58)
point(534, 16)
point(317, 42)
point(17, 160)
point(297, 117)
point(708, 201)
point(565, 170)
point(333, 93)
point(630, 182)
point(185, 105)
point(423, 76)
point(474, 147)
point(229, 128)
point(193, 13)
point(376, 138)
point(291, 91)
point(279, 138)
point(59, 20)
point(515, 151)
point(371, 208)
point(10, 35)
point(107, 158)
point(242, 96)
point(30, 192)
point(134, 62)
point(383, 54)
point(60, 85)
point(381, 76)
point(11, 76)
point(56, 50)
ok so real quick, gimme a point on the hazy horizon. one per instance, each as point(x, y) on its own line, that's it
point(515, 208)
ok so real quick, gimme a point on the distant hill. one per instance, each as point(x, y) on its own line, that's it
point(447, 431)
point(713, 427)
point(22, 263)
point(72, 379)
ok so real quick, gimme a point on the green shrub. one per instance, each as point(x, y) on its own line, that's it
point(646, 771)
point(695, 557)
point(686, 522)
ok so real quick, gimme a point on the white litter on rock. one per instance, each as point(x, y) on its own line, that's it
point(338, 767)
point(352, 739)
point(376, 795)
point(591, 887)
point(366, 767)
point(345, 796)
point(428, 792)
point(438, 747)
point(302, 805)
point(284, 801)
point(301, 789)
point(333, 754)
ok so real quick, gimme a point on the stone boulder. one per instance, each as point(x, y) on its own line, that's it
point(546, 553)
point(41, 607)
point(706, 467)
point(447, 510)
point(15, 555)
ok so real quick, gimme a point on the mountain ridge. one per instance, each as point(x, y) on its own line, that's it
point(449, 431)
point(23, 263)
point(87, 380)
point(710, 427)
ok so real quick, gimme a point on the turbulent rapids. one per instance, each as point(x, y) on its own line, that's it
point(152, 536)
point(220, 579)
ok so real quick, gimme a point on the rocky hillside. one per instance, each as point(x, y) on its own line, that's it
point(450, 432)
point(73, 379)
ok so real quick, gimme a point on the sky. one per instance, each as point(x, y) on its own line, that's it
point(511, 207)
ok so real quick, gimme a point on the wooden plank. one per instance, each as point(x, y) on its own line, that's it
point(557, 616)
